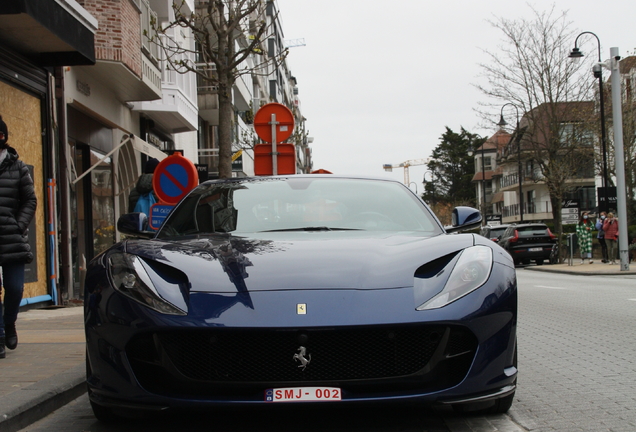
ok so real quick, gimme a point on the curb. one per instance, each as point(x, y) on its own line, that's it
point(581, 273)
point(30, 404)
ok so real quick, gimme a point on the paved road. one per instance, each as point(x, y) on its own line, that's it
point(577, 353)
point(577, 362)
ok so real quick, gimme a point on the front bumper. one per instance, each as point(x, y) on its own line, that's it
point(142, 359)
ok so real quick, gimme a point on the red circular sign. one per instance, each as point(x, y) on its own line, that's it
point(174, 177)
point(284, 118)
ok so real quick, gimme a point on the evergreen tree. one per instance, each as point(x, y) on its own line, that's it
point(452, 169)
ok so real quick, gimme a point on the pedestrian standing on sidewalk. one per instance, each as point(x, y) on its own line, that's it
point(610, 226)
point(584, 233)
point(601, 236)
point(17, 208)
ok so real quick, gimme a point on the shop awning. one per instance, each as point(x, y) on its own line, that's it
point(126, 159)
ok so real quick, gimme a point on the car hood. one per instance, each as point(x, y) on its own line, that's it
point(299, 260)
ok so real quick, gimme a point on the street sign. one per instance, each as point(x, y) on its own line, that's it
point(611, 196)
point(237, 161)
point(174, 177)
point(202, 171)
point(569, 212)
point(263, 162)
point(158, 213)
point(493, 219)
point(263, 122)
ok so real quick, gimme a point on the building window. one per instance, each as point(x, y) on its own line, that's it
point(487, 163)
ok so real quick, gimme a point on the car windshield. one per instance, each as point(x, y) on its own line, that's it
point(496, 232)
point(299, 204)
point(533, 230)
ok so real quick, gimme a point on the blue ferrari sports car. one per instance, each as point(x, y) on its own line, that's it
point(301, 289)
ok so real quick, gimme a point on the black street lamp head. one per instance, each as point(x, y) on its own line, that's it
point(502, 122)
point(575, 54)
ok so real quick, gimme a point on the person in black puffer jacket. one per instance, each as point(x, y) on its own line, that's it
point(17, 208)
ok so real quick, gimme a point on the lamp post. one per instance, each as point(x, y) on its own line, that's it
point(617, 117)
point(432, 181)
point(483, 184)
point(598, 73)
point(503, 123)
point(621, 195)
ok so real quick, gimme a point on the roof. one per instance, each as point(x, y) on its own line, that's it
point(627, 64)
point(478, 176)
point(497, 141)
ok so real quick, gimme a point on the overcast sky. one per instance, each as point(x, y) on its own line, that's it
point(380, 80)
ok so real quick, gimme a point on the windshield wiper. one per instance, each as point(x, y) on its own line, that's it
point(312, 228)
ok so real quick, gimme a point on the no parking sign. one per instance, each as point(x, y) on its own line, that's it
point(174, 177)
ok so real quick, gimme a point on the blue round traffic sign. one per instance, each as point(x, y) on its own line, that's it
point(174, 177)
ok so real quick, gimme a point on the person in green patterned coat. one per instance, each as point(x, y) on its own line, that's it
point(584, 234)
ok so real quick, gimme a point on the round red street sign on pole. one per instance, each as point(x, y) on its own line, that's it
point(173, 178)
point(263, 125)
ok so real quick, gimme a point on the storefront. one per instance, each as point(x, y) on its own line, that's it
point(21, 108)
point(37, 37)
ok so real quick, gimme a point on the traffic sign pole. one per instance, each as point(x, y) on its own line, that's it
point(274, 123)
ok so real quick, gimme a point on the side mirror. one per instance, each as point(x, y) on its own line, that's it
point(464, 218)
point(134, 224)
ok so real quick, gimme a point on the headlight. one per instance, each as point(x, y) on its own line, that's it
point(129, 277)
point(471, 271)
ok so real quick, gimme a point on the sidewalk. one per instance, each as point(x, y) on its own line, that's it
point(596, 269)
point(47, 369)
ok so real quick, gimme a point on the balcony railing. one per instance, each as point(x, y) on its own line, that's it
point(528, 208)
point(203, 85)
point(210, 157)
point(147, 17)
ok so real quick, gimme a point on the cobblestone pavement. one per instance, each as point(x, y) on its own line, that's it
point(46, 370)
point(577, 357)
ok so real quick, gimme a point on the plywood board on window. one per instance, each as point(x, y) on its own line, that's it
point(22, 114)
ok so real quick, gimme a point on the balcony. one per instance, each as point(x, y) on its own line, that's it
point(52, 33)
point(177, 110)
point(207, 95)
point(125, 65)
point(532, 211)
point(210, 157)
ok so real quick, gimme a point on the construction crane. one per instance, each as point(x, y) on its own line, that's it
point(293, 43)
point(406, 165)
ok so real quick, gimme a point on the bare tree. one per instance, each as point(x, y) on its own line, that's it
point(532, 71)
point(229, 42)
point(628, 73)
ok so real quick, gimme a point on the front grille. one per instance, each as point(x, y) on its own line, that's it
point(230, 357)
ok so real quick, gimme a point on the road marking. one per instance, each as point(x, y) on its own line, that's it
point(550, 287)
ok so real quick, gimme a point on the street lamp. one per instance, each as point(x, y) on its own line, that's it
point(432, 181)
point(598, 73)
point(503, 123)
point(483, 183)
